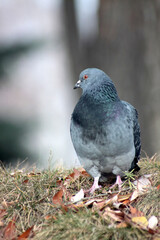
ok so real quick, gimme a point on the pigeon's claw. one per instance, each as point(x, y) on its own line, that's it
point(118, 182)
point(95, 185)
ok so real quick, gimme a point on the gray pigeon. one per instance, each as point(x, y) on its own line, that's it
point(104, 130)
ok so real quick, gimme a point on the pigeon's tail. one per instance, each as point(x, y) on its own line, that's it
point(134, 166)
point(110, 177)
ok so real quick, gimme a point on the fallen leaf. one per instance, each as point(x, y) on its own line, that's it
point(116, 215)
point(122, 198)
point(135, 194)
point(81, 169)
point(15, 173)
point(85, 174)
point(99, 205)
point(89, 202)
point(126, 202)
point(158, 187)
point(112, 200)
point(142, 221)
point(135, 212)
point(119, 205)
point(74, 175)
point(3, 212)
point(26, 234)
point(49, 217)
point(143, 184)
point(4, 203)
point(10, 230)
point(64, 207)
point(1, 223)
point(122, 225)
point(59, 182)
point(152, 222)
point(33, 174)
point(57, 198)
point(7, 204)
point(25, 181)
point(156, 238)
point(78, 196)
point(76, 206)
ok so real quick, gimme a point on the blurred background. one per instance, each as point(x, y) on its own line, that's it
point(45, 44)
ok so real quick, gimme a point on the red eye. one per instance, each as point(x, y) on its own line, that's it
point(85, 76)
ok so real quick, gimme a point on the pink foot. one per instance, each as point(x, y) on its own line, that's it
point(94, 186)
point(118, 182)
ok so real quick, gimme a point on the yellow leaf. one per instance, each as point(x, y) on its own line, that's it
point(122, 198)
point(141, 221)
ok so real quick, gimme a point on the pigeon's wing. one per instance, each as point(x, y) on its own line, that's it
point(136, 133)
point(137, 141)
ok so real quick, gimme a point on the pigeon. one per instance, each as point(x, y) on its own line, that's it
point(105, 131)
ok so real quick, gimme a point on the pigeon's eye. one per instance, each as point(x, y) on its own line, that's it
point(85, 76)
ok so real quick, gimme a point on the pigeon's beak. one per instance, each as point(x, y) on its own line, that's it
point(77, 85)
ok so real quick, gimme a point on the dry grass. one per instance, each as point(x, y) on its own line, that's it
point(28, 196)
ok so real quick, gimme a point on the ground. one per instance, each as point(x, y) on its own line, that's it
point(39, 205)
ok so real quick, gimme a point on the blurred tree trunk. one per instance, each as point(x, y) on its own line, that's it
point(71, 34)
point(128, 50)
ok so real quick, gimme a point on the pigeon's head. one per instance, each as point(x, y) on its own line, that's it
point(91, 77)
point(97, 82)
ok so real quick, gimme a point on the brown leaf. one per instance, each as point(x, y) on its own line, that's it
point(33, 174)
point(136, 218)
point(76, 206)
point(7, 204)
point(59, 182)
point(112, 200)
point(64, 207)
point(116, 215)
point(10, 230)
point(4, 203)
point(85, 174)
point(26, 234)
point(74, 175)
point(126, 202)
point(3, 212)
point(122, 198)
point(99, 205)
point(158, 187)
point(122, 225)
point(57, 198)
point(49, 217)
point(25, 181)
point(135, 212)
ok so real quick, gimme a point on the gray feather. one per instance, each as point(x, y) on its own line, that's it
point(104, 130)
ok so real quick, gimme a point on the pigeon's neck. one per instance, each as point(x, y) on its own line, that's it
point(103, 94)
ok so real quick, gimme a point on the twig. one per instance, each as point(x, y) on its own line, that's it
point(99, 195)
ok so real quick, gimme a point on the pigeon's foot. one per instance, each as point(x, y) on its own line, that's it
point(94, 186)
point(118, 182)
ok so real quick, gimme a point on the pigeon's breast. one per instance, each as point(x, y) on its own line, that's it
point(110, 138)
